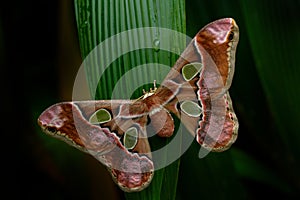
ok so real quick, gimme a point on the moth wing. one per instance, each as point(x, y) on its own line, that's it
point(110, 132)
point(196, 89)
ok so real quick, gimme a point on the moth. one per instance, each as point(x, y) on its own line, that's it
point(195, 90)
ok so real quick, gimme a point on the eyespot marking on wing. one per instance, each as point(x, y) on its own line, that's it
point(100, 116)
point(191, 108)
point(130, 138)
point(190, 70)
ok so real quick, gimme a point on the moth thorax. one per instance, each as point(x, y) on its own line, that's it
point(151, 92)
point(147, 94)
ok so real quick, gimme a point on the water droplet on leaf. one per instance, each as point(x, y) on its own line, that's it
point(84, 24)
point(156, 45)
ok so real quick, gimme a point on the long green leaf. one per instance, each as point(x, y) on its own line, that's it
point(274, 35)
point(99, 20)
point(251, 169)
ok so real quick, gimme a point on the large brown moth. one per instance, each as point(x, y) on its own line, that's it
point(195, 90)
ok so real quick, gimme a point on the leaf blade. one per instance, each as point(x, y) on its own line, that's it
point(116, 17)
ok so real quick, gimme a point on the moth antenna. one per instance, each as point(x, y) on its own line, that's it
point(154, 87)
point(154, 84)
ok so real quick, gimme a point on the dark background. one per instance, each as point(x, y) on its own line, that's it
point(39, 58)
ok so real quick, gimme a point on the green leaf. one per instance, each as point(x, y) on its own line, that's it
point(274, 37)
point(212, 177)
point(100, 20)
point(251, 169)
